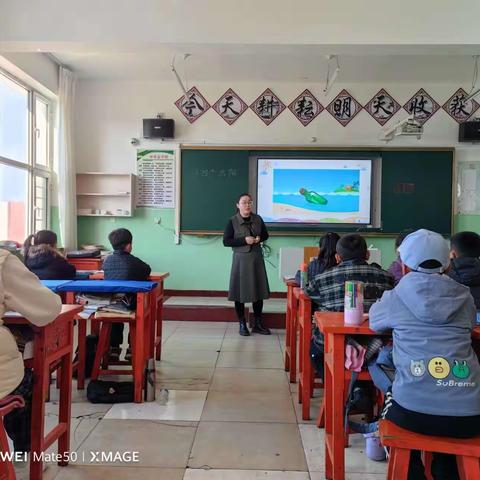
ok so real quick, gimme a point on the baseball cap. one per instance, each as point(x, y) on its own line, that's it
point(425, 251)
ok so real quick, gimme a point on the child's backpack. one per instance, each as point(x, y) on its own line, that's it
point(317, 349)
point(91, 343)
point(99, 391)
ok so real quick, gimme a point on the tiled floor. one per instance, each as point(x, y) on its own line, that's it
point(230, 415)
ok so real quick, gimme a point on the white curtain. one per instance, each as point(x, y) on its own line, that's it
point(66, 161)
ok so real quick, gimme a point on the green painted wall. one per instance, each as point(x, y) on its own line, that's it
point(203, 263)
point(467, 222)
point(198, 263)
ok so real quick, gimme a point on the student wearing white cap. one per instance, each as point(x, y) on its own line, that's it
point(436, 390)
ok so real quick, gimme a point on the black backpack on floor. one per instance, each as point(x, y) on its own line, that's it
point(91, 343)
point(99, 391)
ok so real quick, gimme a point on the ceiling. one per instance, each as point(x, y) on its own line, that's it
point(273, 64)
point(269, 40)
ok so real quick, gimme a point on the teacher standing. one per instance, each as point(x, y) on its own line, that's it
point(248, 279)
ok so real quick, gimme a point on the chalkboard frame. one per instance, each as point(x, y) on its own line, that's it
point(449, 174)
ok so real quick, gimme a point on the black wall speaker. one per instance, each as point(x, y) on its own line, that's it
point(469, 132)
point(158, 128)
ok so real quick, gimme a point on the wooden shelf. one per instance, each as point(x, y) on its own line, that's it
point(105, 174)
point(107, 192)
point(100, 215)
point(104, 194)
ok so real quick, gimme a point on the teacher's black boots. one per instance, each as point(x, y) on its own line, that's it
point(243, 328)
point(259, 328)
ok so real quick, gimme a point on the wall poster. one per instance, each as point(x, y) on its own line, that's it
point(156, 178)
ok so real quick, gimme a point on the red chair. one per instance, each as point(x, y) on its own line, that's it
point(7, 404)
point(402, 441)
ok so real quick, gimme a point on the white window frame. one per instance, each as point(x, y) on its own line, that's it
point(31, 167)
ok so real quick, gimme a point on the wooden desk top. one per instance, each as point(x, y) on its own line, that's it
point(332, 322)
point(154, 276)
point(68, 311)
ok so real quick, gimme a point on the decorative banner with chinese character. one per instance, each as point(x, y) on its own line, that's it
point(306, 107)
point(192, 105)
point(422, 106)
point(156, 178)
point(459, 109)
point(382, 107)
point(267, 106)
point(344, 108)
point(230, 106)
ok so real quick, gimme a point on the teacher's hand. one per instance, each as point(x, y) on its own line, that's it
point(257, 239)
point(250, 240)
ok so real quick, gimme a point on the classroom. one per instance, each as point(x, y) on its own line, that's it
point(239, 240)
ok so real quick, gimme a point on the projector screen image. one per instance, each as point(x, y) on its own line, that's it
point(314, 191)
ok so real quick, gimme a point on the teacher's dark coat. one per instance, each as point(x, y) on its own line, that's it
point(248, 277)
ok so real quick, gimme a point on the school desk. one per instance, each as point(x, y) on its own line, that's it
point(332, 325)
point(291, 331)
point(159, 278)
point(52, 345)
point(306, 373)
point(336, 380)
point(156, 340)
point(142, 327)
point(86, 263)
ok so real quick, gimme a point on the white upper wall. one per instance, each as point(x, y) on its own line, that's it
point(123, 23)
point(35, 69)
point(109, 114)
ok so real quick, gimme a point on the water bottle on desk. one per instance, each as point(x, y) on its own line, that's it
point(353, 310)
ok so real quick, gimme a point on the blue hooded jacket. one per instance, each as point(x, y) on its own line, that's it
point(437, 371)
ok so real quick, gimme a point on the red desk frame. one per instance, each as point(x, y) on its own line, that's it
point(291, 331)
point(86, 263)
point(332, 325)
point(52, 344)
point(306, 377)
point(148, 334)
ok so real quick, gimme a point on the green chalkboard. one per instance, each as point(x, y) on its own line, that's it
point(211, 183)
point(416, 187)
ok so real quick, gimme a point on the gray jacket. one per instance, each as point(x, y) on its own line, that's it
point(437, 371)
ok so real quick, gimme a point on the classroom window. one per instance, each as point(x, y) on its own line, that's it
point(41, 132)
point(40, 203)
point(14, 113)
point(13, 203)
point(25, 160)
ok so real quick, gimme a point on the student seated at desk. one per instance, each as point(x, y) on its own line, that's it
point(326, 256)
point(44, 260)
point(21, 292)
point(327, 289)
point(122, 265)
point(436, 390)
point(465, 264)
point(395, 269)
